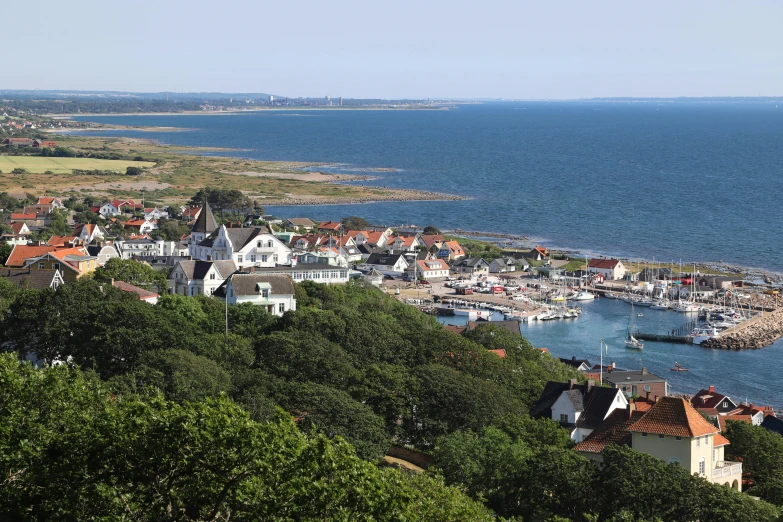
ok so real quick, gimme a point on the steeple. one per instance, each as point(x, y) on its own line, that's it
point(206, 222)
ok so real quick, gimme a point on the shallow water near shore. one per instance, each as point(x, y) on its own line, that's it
point(690, 181)
point(749, 374)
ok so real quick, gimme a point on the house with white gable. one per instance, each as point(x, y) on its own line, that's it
point(401, 244)
point(199, 277)
point(246, 247)
point(386, 263)
point(580, 408)
point(611, 269)
point(428, 269)
point(89, 233)
point(273, 292)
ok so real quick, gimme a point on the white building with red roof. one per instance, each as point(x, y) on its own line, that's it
point(611, 269)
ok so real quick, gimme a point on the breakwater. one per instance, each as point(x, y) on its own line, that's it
point(756, 333)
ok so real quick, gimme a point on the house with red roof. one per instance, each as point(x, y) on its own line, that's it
point(404, 244)
point(672, 431)
point(21, 254)
point(73, 263)
point(452, 251)
point(610, 269)
point(330, 227)
point(713, 403)
point(144, 295)
point(20, 228)
point(539, 253)
point(429, 269)
point(23, 216)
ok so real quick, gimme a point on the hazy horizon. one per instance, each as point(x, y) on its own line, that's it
point(458, 50)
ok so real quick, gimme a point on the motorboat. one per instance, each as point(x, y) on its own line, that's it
point(659, 305)
point(582, 296)
point(678, 368)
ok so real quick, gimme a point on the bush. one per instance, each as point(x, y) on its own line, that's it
point(19, 170)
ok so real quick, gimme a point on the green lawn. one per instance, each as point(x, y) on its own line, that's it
point(39, 164)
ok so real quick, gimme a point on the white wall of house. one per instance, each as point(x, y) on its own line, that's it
point(274, 304)
point(180, 284)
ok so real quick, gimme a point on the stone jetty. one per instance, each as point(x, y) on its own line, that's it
point(757, 333)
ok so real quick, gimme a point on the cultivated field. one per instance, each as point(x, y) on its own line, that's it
point(38, 164)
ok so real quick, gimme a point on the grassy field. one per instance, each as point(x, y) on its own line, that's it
point(39, 165)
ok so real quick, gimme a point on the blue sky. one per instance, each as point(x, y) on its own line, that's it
point(412, 49)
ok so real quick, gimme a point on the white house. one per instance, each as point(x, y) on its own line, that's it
point(103, 252)
point(130, 248)
point(580, 408)
point(404, 244)
point(318, 272)
point(247, 247)
point(386, 263)
point(274, 292)
point(89, 233)
point(199, 277)
point(611, 269)
point(428, 269)
point(155, 213)
point(205, 225)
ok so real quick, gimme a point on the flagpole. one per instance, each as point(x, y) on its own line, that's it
point(601, 380)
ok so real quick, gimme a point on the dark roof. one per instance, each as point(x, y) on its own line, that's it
point(709, 399)
point(597, 403)
point(551, 392)
point(298, 267)
point(772, 423)
point(127, 287)
point(28, 278)
point(246, 284)
point(470, 261)
point(198, 269)
point(614, 430)
point(511, 326)
point(576, 363)
point(631, 376)
point(383, 259)
point(206, 222)
point(239, 237)
point(575, 398)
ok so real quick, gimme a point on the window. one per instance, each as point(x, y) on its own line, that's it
point(55, 266)
point(679, 438)
point(725, 404)
point(274, 258)
point(281, 308)
point(674, 460)
point(644, 434)
point(258, 245)
point(212, 276)
point(264, 258)
point(713, 454)
point(661, 436)
point(646, 387)
point(252, 258)
point(239, 259)
point(269, 244)
point(564, 418)
point(702, 466)
point(40, 266)
point(698, 442)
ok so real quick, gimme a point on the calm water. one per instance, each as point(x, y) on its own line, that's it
point(691, 181)
point(752, 374)
point(671, 181)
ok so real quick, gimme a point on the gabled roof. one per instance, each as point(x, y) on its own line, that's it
point(723, 419)
point(127, 287)
point(27, 278)
point(301, 222)
point(605, 264)
point(597, 403)
point(470, 261)
point(330, 225)
point(60, 240)
point(18, 227)
point(772, 423)
point(673, 416)
point(430, 240)
point(24, 216)
point(453, 246)
point(206, 222)
point(705, 399)
point(550, 394)
point(247, 284)
point(427, 265)
point(576, 363)
point(198, 269)
point(384, 259)
point(22, 252)
point(45, 201)
point(614, 430)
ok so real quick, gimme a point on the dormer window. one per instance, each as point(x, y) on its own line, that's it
point(258, 244)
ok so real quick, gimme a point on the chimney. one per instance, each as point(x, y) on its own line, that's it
point(644, 371)
point(712, 388)
point(630, 409)
point(571, 384)
point(655, 399)
point(590, 384)
point(647, 396)
point(612, 366)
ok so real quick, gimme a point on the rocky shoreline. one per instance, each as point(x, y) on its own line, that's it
point(399, 195)
point(761, 333)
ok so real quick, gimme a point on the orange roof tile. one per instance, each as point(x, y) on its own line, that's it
point(22, 252)
point(23, 216)
point(499, 353)
point(673, 416)
point(45, 201)
point(60, 240)
point(722, 419)
point(604, 263)
point(614, 430)
point(17, 227)
point(720, 440)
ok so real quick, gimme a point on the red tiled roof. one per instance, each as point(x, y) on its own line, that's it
point(23, 216)
point(127, 287)
point(17, 227)
point(543, 350)
point(430, 240)
point(604, 263)
point(673, 416)
point(330, 225)
point(454, 247)
point(60, 240)
point(720, 440)
point(614, 430)
point(453, 328)
point(499, 353)
point(722, 419)
point(22, 252)
point(45, 201)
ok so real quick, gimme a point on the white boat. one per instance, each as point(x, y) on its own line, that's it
point(660, 305)
point(688, 308)
point(644, 302)
point(702, 334)
point(631, 341)
point(582, 296)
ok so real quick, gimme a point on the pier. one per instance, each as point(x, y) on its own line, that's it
point(679, 335)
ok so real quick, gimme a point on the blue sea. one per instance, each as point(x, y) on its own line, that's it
point(690, 181)
point(670, 181)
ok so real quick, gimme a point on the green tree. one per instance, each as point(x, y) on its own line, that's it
point(133, 272)
point(760, 450)
point(354, 223)
point(5, 251)
point(431, 231)
point(134, 171)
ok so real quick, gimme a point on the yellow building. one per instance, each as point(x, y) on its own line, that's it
point(672, 431)
point(73, 263)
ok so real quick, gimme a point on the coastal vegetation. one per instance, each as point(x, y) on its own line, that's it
point(62, 165)
point(175, 411)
